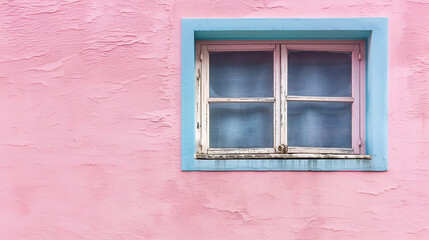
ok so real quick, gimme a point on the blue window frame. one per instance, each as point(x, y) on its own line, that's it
point(373, 30)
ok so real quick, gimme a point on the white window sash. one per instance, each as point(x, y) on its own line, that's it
point(280, 99)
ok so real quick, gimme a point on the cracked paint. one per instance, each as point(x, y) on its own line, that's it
point(90, 131)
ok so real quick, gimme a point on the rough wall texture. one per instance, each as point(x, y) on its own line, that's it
point(90, 131)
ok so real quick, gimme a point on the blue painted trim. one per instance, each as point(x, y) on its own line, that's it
point(373, 30)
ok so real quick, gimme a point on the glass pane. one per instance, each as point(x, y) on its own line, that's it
point(241, 125)
point(313, 73)
point(319, 124)
point(241, 74)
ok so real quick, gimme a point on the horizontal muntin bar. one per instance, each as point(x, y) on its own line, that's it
point(238, 100)
point(319, 99)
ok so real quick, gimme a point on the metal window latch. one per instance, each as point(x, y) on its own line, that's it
point(282, 148)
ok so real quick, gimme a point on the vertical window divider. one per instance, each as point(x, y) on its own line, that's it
point(283, 95)
point(277, 96)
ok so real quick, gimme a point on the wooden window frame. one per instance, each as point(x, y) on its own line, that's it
point(280, 100)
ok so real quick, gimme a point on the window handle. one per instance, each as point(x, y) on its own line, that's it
point(282, 148)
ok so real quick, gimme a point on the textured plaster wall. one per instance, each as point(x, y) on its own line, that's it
point(90, 131)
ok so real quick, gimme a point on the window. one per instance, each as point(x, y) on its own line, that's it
point(280, 99)
point(285, 111)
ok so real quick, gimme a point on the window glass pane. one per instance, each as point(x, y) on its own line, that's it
point(241, 125)
point(319, 124)
point(241, 74)
point(312, 73)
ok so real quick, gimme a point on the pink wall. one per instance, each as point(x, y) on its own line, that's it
point(90, 131)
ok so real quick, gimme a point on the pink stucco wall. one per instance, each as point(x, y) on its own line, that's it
point(90, 131)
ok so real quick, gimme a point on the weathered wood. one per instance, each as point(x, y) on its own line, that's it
point(267, 42)
point(242, 100)
point(240, 47)
point(283, 95)
point(240, 150)
point(281, 156)
point(204, 96)
point(277, 95)
point(319, 99)
point(198, 80)
point(321, 47)
point(356, 82)
point(362, 97)
point(280, 97)
point(320, 150)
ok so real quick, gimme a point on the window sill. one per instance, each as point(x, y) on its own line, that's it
point(281, 156)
